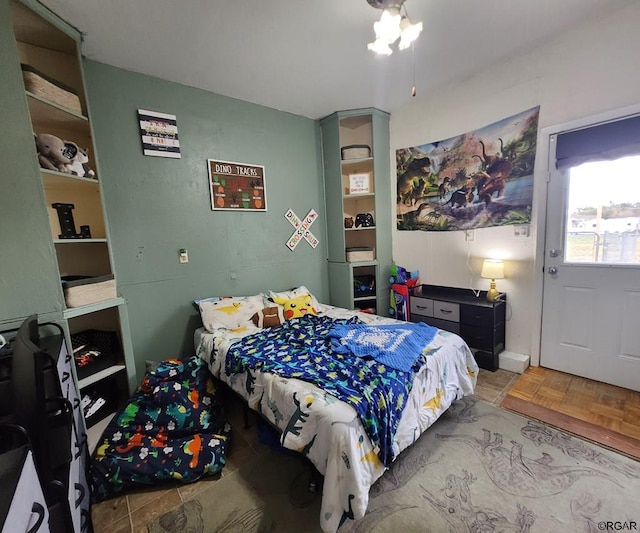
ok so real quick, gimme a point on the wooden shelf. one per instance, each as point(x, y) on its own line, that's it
point(364, 298)
point(359, 196)
point(72, 312)
point(48, 117)
point(48, 47)
point(363, 263)
point(61, 180)
point(357, 128)
point(99, 376)
point(347, 162)
point(30, 28)
point(77, 241)
point(40, 103)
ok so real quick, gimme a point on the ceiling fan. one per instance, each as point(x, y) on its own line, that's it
point(394, 24)
point(384, 4)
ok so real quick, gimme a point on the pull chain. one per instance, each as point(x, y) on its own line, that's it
point(413, 62)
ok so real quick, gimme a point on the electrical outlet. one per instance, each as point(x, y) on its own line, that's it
point(469, 234)
point(521, 232)
point(183, 255)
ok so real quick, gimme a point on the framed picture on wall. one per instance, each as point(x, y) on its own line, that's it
point(236, 186)
point(159, 134)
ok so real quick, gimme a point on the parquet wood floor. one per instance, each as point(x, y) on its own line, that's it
point(597, 411)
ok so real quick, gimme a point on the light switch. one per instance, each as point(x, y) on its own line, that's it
point(183, 255)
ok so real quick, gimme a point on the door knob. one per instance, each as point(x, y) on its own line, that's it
point(552, 270)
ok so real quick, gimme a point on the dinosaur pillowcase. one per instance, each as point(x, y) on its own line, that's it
point(229, 312)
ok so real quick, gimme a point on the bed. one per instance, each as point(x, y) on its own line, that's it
point(313, 421)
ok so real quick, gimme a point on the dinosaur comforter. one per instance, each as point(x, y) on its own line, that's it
point(329, 431)
point(309, 349)
point(172, 428)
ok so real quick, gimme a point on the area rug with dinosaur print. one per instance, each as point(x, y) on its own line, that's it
point(479, 468)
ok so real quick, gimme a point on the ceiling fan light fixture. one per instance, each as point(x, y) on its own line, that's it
point(393, 25)
point(380, 46)
point(408, 33)
point(388, 27)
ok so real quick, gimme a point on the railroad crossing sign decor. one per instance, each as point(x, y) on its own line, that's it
point(301, 229)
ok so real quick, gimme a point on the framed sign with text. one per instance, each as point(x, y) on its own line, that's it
point(159, 134)
point(237, 186)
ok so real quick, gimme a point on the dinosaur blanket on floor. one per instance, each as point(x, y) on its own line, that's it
point(172, 428)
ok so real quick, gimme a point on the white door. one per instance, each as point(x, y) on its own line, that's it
point(591, 298)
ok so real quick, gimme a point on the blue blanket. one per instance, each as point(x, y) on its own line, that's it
point(301, 348)
point(395, 345)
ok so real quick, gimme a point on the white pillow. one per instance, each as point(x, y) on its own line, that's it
point(229, 313)
point(296, 292)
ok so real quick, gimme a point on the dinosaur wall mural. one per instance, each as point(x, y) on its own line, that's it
point(478, 179)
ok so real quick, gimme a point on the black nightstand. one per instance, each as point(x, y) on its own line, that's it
point(479, 322)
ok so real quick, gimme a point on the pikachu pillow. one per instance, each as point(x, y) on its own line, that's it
point(297, 307)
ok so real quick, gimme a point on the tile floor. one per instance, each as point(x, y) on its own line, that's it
point(133, 512)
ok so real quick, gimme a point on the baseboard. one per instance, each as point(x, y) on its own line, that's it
point(514, 362)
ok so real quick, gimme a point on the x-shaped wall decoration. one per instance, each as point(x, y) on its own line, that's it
point(302, 229)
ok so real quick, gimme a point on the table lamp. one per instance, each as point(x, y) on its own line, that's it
point(492, 269)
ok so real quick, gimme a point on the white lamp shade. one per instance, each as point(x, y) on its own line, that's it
point(388, 27)
point(409, 33)
point(380, 46)
point(492, 269)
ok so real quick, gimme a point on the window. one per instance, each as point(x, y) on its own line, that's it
point(602, 217)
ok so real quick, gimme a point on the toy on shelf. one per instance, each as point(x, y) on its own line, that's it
point(62, 156)
point(364, 286)
point(365, 220)
point(402, 281)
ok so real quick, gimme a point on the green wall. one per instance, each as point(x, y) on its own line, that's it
point(27, 256)
point(155, 206)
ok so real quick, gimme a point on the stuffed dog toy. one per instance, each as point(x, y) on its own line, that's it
point(51, 152)
point(63, 156)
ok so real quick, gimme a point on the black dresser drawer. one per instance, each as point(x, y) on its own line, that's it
point(490, 339)
point(476, 316)
point(477, 337)
point(447, 325)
